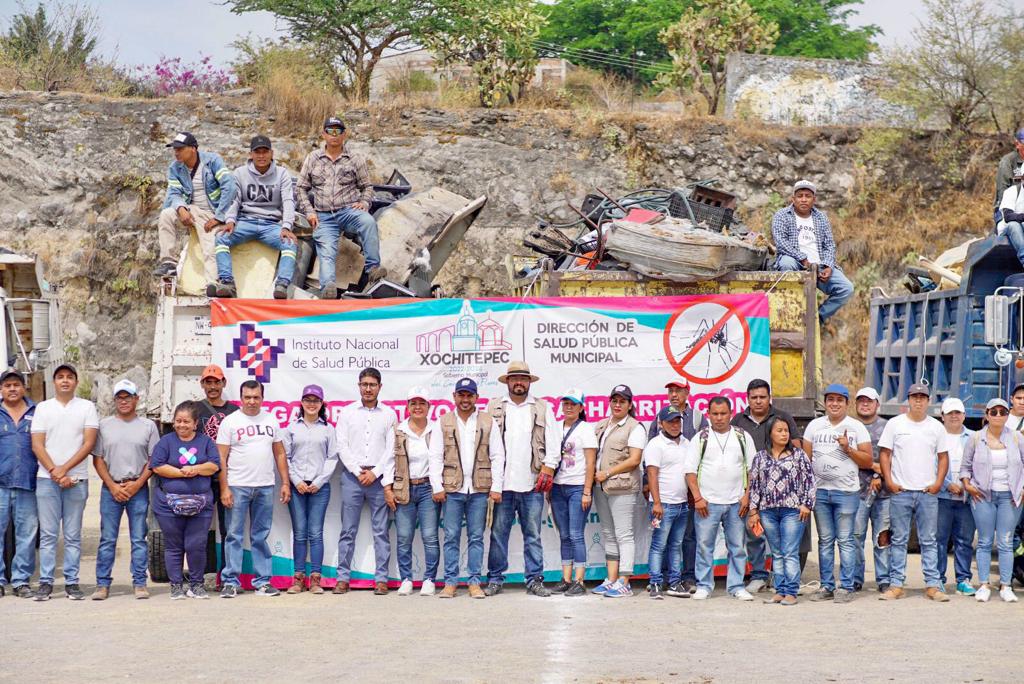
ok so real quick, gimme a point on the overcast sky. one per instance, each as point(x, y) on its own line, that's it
point(141, 31)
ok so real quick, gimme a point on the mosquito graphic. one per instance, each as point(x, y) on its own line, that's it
point(720, 341)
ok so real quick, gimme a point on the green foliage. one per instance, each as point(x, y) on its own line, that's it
point(817, 28)
point(258, 60)
point(879, 145)
point(50, 49)
point(410, 82)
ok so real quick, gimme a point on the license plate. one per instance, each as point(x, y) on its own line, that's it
point(201, 325)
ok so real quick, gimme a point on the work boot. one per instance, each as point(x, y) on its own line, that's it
point(375, 274)
point(165, 269)
point(226, 289)
point(936, 594)
point(380, 589)
point(493, 589)
point(891, 594)
point(211, 290)
point(329, 291)
point(314, 583)
point(476, 592)
point(450, 590)
point(340, 588)
point(297, 583)
point(281, 290)
point(101, 594)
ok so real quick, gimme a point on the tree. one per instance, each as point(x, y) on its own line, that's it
point(50, 49)
point(817, 28)
point(702, 39)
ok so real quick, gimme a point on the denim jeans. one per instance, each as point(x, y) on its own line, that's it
point(571, 520)
point(19, 504)
point(267, 232)
point(1014, 232)
point(996, 519)
point(668, 536)
point(838, 289)
point(834, 514)
point(878, 514)
point(690, 550)
point(111, 512)
point(353, 496)
point(924, 509)
point(472, 508)
point(728, 517)
point(528, 507)
point(60, 508)
point(307, 513)
point(784, 529)
point(256, 504)
point(421, 508)
point(354, 224)
point(956, 520)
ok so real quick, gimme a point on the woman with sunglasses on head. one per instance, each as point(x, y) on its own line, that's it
point(992, 471)
point(309, 443)
point(185, 461)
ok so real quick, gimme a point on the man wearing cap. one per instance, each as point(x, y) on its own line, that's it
point(1010, 216)
point(914, 459)
point(200, 189)
point(264, 210)
point(956, 519)
point(213, 409)
point(64, 433)
point(664, 461)
point(1016, 419)
point(18, 468)
point(472, 470)
point(1004, 172)
point(838, 446)
point(342, 192)
point(121, 459)
point(803, 238)
point(532, 444)
point(874, 497)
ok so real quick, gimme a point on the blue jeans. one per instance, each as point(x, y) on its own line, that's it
point(354, 224)
point(571, 520)
point(19, 504)
point(956, 521)
point(421, 508)
point(246, 230)
point(924, 508)
point(878, 514)
point(1014, 232)
point(60, 508)
point(307, 513)
point(838, 289)
point(690, 551)
point(783, 529)
point(472, 508)
point(668, 535)
point(353, 496)
point(111, 511)
point(528, 507)
point(728, 517)
point(256, 504)
point(834, 514)
point(996, 519)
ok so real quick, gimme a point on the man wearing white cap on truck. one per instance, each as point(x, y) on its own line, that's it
point(874, 497)
point(956, 519)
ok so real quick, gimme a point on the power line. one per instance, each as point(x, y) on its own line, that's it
point(607, 58)
point(596, 53)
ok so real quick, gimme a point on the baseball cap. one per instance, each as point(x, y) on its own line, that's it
point(836, 388)
point(65, 366)
point(126, 385)
point(466, 385)
point(258, 142)
point(992, 403)
point(681, 383)
point(212, 371)
point(805, 184)
point(418, 393)
point(669, 413)
point(1019, 135)
point(868, 393)
point(334, 122)
point(315, 390)
point(575, 395)
point(12, 373)
point(918, 388)
point(1017, 388)
point(183, 139)
point(951, 404)
point(621, 391)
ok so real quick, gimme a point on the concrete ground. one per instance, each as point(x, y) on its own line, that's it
point(511, 637)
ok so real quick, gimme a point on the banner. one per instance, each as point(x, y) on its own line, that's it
point(718, 343)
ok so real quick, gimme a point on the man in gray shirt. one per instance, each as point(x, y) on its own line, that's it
point(121, 459)
point(874, 498)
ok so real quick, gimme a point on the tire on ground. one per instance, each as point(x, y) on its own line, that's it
point(157, 566)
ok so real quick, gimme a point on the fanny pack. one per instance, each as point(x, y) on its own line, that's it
point(186, 505)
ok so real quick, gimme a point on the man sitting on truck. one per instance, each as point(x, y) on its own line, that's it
point(803, 238)
point(1004, 173)
point(1010, 220)
point(264, 210)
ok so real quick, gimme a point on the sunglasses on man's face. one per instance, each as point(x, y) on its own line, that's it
point(999, 412)
point(334, 131)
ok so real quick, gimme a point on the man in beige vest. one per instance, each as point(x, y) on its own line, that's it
point(472, 469)
point(533, 449)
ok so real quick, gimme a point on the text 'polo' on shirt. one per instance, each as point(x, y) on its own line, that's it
point(519, 475)
point(251, 441)
point(126, 445)
point(833, 467)
point(720, 472)
point(366, 438)
point(65, 425)
point(915, 448)
point(669, 457)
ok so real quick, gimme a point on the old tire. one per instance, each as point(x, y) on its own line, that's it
point(803, 560)
point(157, 566)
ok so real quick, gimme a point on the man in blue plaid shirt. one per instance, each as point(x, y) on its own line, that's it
point(803, 239)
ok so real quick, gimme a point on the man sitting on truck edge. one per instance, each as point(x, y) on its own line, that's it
point(1004, 172)
point(17, 481)
point(1010, 218)
point(803, 238)
point(264, 210)
point(342, 192)
point(195, 205)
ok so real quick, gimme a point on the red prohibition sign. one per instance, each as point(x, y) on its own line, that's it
point(679, 365)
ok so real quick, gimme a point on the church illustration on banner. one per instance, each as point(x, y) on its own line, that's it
point(465, 334)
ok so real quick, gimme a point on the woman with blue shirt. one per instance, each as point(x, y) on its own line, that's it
point(183, 502)
point(309, 443)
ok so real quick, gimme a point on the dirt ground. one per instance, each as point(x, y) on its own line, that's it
point(511, 637)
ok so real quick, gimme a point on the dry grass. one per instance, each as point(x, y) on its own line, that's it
point(294, 106)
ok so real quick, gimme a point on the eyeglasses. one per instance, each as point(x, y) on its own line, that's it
point(334, 131)
point(998, 412)
point(369, 385)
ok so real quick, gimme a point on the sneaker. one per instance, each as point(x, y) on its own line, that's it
point(449, 591)
point(23, 591)
point(965, 589)
point(601, 588)
point(678, 590)
point(577, 589)
point(788, 601)
point(406, 588)
point(267, 590)
point(314, 583)
point(43, 592)
point(427, 588)
point(178, 592)
point(101, 594)
point(982, 594)
point(857, 586)
point(493, 588)
point(823, 594)
point(211, 290)
point(843, 596)
point(1006, 593)
point(619, 590)
point(690, 585)
point(743, 595)
point(475, 592)
point(281, 290)
point(757, 585)
point(197, 591)
point(883, 587)
point(229, 591)
point(165, 269)
point(936, 594)
point(561, 587)
point(654, 590)
point(3, 590)
point(74, 592)
point(891, 594)
point(226, 289)
point(141, 592)
point(777, 598)
point(701, 594)
point(537, 588)
point(329, 291)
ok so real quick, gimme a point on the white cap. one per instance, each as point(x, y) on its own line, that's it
point(952, 404)
point(418, 393)
point(868, 393)
point(126, 385)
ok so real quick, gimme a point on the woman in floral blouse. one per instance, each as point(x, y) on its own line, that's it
point(781, 499)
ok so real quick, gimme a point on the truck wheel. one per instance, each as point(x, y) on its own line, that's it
point(157, 567)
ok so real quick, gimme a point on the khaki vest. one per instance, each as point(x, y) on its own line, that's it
point(496, 407)
point(614, 452)
point(400, 487)
point(452, 475)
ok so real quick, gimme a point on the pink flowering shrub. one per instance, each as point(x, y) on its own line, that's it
point(170, 76)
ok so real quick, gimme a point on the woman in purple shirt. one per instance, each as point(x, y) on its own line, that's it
point(183, 501)
point(781, 499)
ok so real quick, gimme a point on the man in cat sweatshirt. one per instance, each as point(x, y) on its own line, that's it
point(264, 210)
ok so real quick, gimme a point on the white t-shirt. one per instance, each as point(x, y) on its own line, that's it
point(251, 438)
point(721, 472)
point(833, 468)
point(915, 448)
point(806, 238)
point(669, 457)
point(1000, 478)
point(573, 468)
point(64, 425)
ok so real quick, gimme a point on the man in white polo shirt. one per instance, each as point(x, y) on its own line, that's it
point(63, 434)
point(914, 460)
point(664, 461)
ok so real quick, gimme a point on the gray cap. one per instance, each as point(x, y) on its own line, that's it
point(992, 403)
point(805, 184)
point(12, 373)
point(918, 388)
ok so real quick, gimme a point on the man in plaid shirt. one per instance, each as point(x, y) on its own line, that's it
point(803, 239)
point(342, 193)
